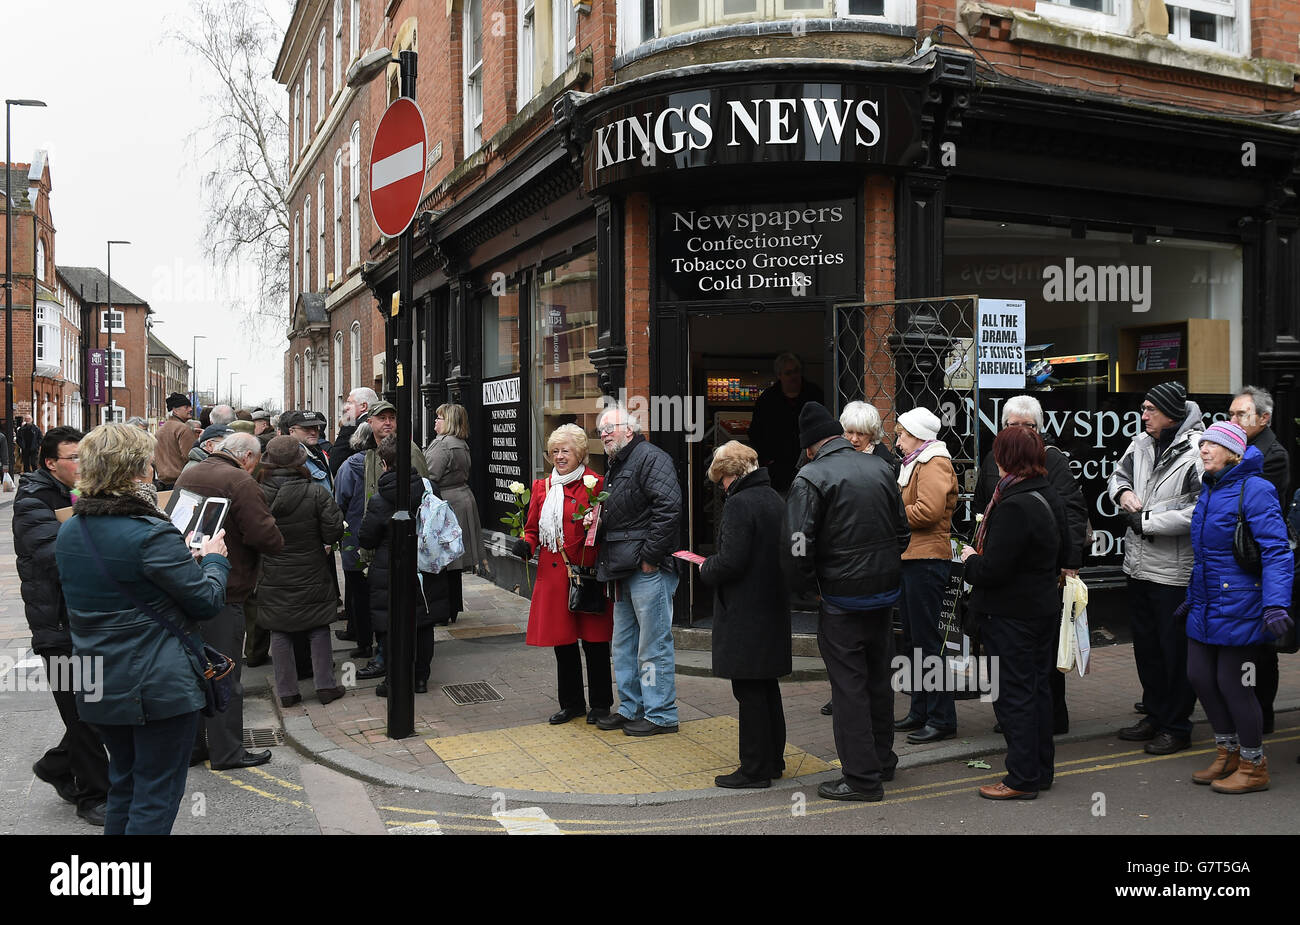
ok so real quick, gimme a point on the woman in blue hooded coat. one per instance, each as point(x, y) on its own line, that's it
point(1231, 612)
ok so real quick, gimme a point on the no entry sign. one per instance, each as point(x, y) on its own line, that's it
point(397, 166)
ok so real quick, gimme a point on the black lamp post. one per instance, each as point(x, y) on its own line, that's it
point(194, 368)
point(9, 276)
point(403, 575)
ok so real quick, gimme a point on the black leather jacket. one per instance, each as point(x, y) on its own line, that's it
point(845, 528)
point(641, 519)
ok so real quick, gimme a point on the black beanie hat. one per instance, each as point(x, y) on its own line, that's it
point(1170, 399)
point(816, 424)
point(177, 400)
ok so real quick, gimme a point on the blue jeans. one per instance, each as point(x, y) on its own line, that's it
point(643, 647)
point(147, 767)
point(920, 603)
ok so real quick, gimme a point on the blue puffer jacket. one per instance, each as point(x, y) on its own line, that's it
point(147, 674)
point(1227, 603)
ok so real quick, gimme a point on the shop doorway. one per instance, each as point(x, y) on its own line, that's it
point(730, 358)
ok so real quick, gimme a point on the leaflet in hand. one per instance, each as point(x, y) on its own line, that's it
point(693, 558)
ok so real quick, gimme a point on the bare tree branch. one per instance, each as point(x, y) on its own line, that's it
point(245, 148)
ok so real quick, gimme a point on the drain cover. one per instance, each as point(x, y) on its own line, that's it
point(263, 737)
point(474, 692)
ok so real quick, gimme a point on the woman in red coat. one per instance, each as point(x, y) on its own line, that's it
point(550, 528)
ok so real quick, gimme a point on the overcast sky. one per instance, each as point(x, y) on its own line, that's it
point(122, 104)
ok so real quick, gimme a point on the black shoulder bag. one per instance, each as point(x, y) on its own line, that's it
point(216, 675)
point(586, 594)
point(1245, 548)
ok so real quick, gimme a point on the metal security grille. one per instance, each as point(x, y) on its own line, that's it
point(474, 692)
point(911, 353)
point(263, 737)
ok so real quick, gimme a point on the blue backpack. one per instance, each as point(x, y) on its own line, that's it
point(439, 540)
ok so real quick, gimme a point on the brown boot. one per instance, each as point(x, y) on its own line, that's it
point(1224, 765)
point(1248, 778)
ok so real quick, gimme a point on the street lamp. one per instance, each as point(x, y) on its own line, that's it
point(402, 566)
point(111, 331)
point(231, 393)
point(194, 368)
point(9, 276)
point(216, 386)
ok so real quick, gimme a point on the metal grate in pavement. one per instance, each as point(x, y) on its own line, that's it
point(474, 692)
point(263, 737)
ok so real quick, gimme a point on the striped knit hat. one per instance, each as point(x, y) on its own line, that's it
point(1227, 434)
point(1170, 399)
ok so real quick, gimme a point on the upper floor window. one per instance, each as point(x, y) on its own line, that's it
point(320, 232)
point(473, 57)
point(338, 44)
point(354, 187)
point(119, 321)
point(338, 215)
point(640, 21)
point(119, 368)
point(297, 262)
point(1216, 25)
point(295, 142)
point(40, 258)
point(322, 90)
point(306, 100)
point(307, 285)
point(527, 59)
point(564, 29)
point(354, 31)
point(354, 356)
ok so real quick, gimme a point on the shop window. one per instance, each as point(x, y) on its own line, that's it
point(473, 90)
point(500, 315)
point(564, 384)
point(1099, 296)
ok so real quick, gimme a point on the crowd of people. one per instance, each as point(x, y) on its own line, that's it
point(860, 527)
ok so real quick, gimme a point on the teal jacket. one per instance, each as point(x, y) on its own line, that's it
point(145, 672)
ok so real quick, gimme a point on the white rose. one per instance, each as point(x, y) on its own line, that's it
point(590, 482)
point(516, 488)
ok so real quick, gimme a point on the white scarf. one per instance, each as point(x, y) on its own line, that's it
point(938, 448)
point(551, 525)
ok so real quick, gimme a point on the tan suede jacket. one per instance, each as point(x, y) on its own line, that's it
point(929, 498)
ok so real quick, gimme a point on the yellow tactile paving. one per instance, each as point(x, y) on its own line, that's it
point(577, 758)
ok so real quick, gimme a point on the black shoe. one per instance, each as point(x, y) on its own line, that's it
point(291, 701)
point(643, 727)
point(1144, 731)
point(422, 687)
point(94, 814)
point(362, 652)
point(840, 790)
point(997, 728)
point(612, 721)
point(247, 760)
point(373, 670)
point(826, 709)
point(930, 734)
point(738, 781)
point(596, 714)
point(65, 786)
point(908, 723)
point(887, 774)
point(1140, 707)
point(565, 715)
point(1166, 743)
point(381, 689)
point(1059, 730)
point(345, 635)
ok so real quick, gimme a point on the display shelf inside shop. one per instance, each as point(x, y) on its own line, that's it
point(1195, 352)
point(733, 389)
point(1078, 370)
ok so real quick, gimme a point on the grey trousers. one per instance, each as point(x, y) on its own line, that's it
point(225, 731)
point(285, 661)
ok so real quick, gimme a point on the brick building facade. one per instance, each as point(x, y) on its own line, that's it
point(663, 195)
point(47, 329)
point(126, 335)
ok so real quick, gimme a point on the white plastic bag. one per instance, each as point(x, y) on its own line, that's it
point(7, 482)
point(1070, 651)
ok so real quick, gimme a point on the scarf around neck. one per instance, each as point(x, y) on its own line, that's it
point(551, 523)
point(982, 527)
point(922, 454)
